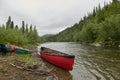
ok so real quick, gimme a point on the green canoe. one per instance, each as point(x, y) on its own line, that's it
point(21, 51)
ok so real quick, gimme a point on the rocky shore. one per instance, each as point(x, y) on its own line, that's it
point(15, 67)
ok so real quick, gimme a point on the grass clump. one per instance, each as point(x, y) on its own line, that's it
point(26, 58)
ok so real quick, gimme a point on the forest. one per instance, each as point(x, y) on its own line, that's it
point(23, 35)
point(102, 25)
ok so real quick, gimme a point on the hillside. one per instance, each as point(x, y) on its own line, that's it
point(101, 26)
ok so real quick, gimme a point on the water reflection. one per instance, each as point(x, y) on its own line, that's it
point(91, 63)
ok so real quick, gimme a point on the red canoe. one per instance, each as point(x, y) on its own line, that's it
point(57, 58)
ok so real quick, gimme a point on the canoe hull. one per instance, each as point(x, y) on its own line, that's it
point(21, 51)
point(65, 61)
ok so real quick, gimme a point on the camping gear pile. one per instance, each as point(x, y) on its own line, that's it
point(4, 48)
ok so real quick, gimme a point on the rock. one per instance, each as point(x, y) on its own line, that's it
point(34, 66)
point(96, 44)
point(119, 46)
point(1, 67)
point(6, 74)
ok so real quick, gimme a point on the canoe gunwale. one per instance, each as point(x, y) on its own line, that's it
point(66, 56)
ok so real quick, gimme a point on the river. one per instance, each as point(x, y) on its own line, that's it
point(91, 63)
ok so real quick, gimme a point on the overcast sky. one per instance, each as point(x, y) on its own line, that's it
point(49, 16)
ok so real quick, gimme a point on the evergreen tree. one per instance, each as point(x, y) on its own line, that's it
point(23, 26)
point(3, 26)
point(12, 25)
point(115, 0)
point(35, 28)
point(8, 22)
point(100, 15)
point(27, 28)
point(94, 12)
point(31, 28)
point(16, 27)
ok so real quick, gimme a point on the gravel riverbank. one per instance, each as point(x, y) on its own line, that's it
point(15, 67)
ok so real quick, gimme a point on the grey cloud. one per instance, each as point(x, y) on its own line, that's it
point(49, 16)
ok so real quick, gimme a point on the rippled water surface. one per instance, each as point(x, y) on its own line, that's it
point(91, 63)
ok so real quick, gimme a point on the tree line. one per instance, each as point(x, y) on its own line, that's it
point(102, 25)
point(23, 35)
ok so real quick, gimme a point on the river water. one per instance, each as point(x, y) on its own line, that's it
point(91, 63)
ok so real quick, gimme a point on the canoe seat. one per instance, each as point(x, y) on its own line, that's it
point(69, 56)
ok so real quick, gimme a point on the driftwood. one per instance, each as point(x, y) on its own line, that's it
point(31, 71)
point(16, 66)
point(40, 73)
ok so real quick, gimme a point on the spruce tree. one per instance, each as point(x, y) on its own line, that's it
point(3, 26)
point(12, 25)
point(26, 28)
point(16, 27)
point(31, 28)
point(23, 26)
point(115, 0)
point(8, 22)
